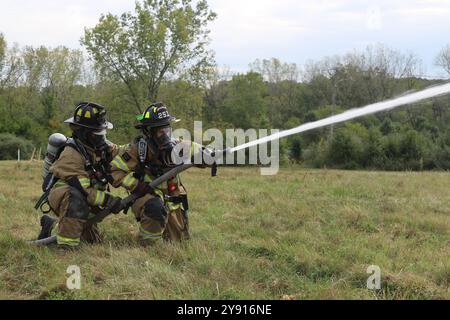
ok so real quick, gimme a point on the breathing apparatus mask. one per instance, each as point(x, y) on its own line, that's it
point(95, 139)
point(162, 136)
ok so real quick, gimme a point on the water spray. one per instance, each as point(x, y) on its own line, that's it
point(347, 115)
point(352, 114)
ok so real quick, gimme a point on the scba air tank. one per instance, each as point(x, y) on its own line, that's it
point(56, 143)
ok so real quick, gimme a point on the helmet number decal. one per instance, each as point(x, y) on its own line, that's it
point(163, 115)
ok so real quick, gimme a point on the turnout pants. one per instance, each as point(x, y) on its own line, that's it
point(159, 221)
point(71, 206)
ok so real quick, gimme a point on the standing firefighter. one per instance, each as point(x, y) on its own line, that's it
point(79, 179)
point(161, 212)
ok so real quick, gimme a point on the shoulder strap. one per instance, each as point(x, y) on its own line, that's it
point(142, 151)
point(142, 157)
point(143, 148)
point(72, 142)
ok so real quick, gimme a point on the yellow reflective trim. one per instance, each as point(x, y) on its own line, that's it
point(79, 112)
point(116, 163)
point(123, 163)
point(130, 181)
point(173, 206)
point(147, 115)
point(85, 182)
point(87, 114)
point(102, 200)
point(149, 235)
point(120, 163)
point(95, 110)
point(68, 241)
point(99, 198)
point(158, 189)
point(60, 183)
point(159, 193)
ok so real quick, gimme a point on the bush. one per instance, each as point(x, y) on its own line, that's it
point(347, 147)
point(373, 152)
point(9, 144)
point(295, 144)
point(316, 154)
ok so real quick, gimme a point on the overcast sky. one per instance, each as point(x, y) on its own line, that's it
point(291, 30)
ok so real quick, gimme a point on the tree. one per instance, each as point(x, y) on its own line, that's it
point(10, 143)
point(215, 94)
point(162, 38)
point(185, 101)
point(2, 50)
point(10, 64)
point(244, 105)
point(275, 71)
point(443, 59)
point(50, 76)
point(348, 146)
point(282, 87)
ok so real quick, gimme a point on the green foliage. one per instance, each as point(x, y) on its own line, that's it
point(161, 38)
point(244, 105)
point(148, 54)
point(9, 144)
point(2, 50)
point(347, 148)
point(186, 101)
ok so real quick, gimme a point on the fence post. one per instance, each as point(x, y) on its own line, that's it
point(18, 155)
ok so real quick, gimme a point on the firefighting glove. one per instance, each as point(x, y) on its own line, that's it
point(114, 204)
point(142, 189)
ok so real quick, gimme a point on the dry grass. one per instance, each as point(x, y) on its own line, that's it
point(303, 234)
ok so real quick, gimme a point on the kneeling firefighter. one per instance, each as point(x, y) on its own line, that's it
point(162, 211)
point(78, 179)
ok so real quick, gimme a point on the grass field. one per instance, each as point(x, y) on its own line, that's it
point(303, 234)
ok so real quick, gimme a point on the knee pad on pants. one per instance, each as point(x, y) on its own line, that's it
point(78, 207)
point(154, 209)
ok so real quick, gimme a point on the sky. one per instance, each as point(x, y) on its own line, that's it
point(294, 31)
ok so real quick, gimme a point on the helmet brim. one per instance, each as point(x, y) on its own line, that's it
point(106, 126)
point(150, 124)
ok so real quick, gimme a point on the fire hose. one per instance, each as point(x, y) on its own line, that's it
point(127, 201)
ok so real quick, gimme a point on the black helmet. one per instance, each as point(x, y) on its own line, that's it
point(156, 115)
point(90, 115)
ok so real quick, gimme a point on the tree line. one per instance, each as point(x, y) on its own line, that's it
point(160, 52)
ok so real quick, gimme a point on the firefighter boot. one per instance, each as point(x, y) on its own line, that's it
point(47, 224)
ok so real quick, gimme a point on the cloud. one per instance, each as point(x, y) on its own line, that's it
point(374, 19)
point(52, 22)
point(292, 30)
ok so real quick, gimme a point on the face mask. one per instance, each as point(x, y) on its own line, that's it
point(97, 139)
point(162, 136)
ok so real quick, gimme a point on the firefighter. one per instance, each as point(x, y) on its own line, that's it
point(162, 212)
point(82, 174)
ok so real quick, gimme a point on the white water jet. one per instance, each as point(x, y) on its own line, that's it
point(352, 114)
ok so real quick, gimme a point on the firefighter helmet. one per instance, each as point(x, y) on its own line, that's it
point(154, 116)
point(90, 115)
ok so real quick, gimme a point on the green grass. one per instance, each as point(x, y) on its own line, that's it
point(303, 234)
